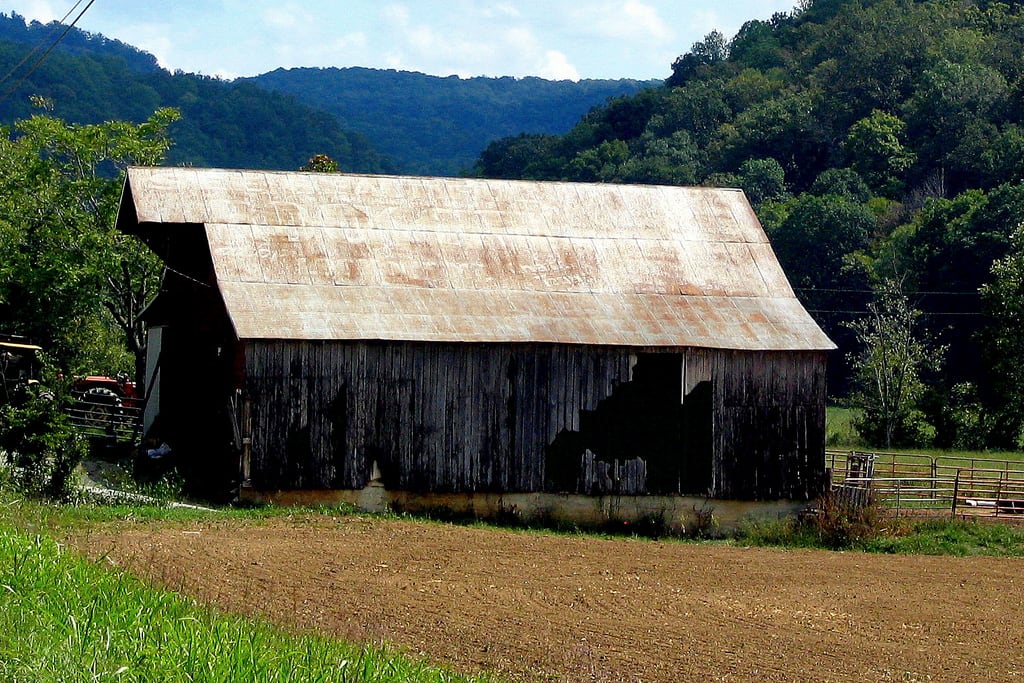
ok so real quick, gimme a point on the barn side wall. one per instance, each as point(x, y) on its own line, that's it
point(422, 417)
point(475, 418)
point(769, 432)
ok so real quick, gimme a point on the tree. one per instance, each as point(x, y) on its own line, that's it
point(952, 104)
point(762, 180)
point(320, 163)
point(1004, 343)
point(875, 149)
point(786, 128)
point(525, 156)
point(68, 277)
point(844, 182)
point(699, 109)
point(815, 237)
point(704, 54)
point(888, 369)
point(600, 163)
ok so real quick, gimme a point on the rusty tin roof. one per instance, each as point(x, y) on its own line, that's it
point(338, 256)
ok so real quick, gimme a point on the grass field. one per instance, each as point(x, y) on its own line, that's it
point(64, 619)
point(840, 435)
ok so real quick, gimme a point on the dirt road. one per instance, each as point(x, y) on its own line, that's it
point(542, 607)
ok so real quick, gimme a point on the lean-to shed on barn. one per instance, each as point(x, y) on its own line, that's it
point(477, 342)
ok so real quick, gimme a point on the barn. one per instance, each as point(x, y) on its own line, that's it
point(574, 350)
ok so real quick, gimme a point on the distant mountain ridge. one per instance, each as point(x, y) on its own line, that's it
point(368, 120)
point(90, 79)
point(76, 42)
point(438, 126)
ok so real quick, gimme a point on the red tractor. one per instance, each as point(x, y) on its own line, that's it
point(106, 406)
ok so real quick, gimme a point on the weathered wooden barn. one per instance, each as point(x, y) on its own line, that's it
point(440, 339)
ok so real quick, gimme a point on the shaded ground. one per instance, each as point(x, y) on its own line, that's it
point(547, 607)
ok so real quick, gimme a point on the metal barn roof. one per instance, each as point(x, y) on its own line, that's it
point(337, 256)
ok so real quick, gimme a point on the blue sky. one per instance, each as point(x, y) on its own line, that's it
point(548, 38)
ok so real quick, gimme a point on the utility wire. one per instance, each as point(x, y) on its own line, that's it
point(35, 65)
point(870, 291)
point(924, 314)
point(36, 49)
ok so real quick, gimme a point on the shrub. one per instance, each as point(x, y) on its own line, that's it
point(41, 447)
point(844, 518)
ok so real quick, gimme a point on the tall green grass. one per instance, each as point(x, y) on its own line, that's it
point(839, 430)
point(64, 619)
point(884, 533)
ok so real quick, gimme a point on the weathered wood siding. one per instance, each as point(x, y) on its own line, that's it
point(434, 417)
point(769, 428)
point(521, 418)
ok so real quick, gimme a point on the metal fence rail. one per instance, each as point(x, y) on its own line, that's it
point(105, 419)
point(989, 492)
point(907, 482)
point(908, 493)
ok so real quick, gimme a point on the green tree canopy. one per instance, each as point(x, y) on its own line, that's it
point(69, 280)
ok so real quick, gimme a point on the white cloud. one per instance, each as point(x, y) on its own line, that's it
point(154, 39)
point(707, 21)
point(500, 10)
point(643, 20)
point(347, 42)
point(38, 10)
point(282, 18)
point(397, 14)
point(632, 21)
point(554, 38)
point(556, 67)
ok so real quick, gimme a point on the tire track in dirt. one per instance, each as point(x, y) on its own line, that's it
point(586, 609)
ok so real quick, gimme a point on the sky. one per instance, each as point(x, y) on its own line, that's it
point(555, 39)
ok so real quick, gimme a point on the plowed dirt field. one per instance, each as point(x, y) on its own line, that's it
point(547, 607)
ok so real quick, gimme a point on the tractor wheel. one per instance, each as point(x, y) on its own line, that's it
point(98, 408)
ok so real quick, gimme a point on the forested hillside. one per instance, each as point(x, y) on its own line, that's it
point(438, 126)
point(90, 79)
point(881, 142)
point(367, 120)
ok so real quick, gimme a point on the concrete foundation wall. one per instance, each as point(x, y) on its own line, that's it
point(679, 513)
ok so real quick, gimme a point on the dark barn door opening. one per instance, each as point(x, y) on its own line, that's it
point(697, 440)
point(642, 439)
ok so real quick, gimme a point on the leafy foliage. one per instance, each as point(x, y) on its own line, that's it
point(1004, 301)
point(889, 369)
point(68, 277)
point(437, 126)
point(90, 79)
point(41, 447)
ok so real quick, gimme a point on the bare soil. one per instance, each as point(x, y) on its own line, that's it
point(536, 606)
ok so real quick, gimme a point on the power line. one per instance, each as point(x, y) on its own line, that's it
point(35, 65)
point(871, 291)
point(925, 314)
point(34, 50)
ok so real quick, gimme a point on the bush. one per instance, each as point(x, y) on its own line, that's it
point(904, 430)
point(971, 424)
point(41, 447)
point(844, 518)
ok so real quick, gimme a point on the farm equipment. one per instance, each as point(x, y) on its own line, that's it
point(19, 367)
point(106, 406)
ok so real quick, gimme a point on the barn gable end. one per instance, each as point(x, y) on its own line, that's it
point(457, 336)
